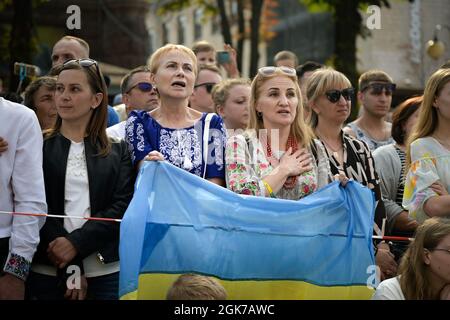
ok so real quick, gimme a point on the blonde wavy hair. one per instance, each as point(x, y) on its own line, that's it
point(415, 274)
point(428, 117)
point(300, 130)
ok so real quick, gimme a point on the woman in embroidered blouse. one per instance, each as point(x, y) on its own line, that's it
point(272, 158)
point(429, 152)
point(174, 132)
point(86, 175)
point(329, 94)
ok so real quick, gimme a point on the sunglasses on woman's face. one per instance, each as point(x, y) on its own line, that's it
point(377, 88)
point(268, 71)
point(142, 86)
point(208, 86)
point(334, 95)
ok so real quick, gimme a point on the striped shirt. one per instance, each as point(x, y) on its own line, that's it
point(401, 182)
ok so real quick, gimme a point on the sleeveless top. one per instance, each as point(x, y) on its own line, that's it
point(364, 136)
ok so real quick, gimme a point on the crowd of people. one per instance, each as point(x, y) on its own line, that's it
point(283, 134)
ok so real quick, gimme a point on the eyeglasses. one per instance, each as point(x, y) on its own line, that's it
point(85, 63)
point(440, 249)
point(142, 86)
point(268, 71)
point(208, 86)
point(334, 95)
point(377, 88)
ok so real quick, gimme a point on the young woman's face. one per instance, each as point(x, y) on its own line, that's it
point(438, 260)
point(44, 102)
point(442, 103)
point(74, 98)
point(235, 111)
point(175, 76)
point(278, 102)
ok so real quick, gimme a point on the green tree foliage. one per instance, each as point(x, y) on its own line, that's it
point(259, 15)
point(348, 24)
point(18, 41)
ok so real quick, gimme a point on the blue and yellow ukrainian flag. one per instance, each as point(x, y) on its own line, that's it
point(258, 248)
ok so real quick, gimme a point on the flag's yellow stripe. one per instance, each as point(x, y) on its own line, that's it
point(155, 286)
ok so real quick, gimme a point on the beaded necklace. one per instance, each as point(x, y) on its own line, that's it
point(291, 143)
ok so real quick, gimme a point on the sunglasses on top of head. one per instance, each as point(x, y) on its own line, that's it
point(377, 88)
point(142, 86)
point(85, 63)
point(208, 86)
point(268, 71)
point(334, 95)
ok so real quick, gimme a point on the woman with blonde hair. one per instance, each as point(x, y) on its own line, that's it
point(429, 153)
point(329, 95)
point(186, 138)
point(424, 272)
point(273, 158)
point(231, 100)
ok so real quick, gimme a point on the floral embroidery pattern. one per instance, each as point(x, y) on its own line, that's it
point(244, 171)
point(18, 266)
point(182, 148)
point(76, 163)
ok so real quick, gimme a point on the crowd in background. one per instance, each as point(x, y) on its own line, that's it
point(283, 134)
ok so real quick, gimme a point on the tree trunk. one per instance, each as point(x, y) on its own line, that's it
point(225, 25)
point(20, 46)
point(254, 37)
point(347, 22)
point(241, 30)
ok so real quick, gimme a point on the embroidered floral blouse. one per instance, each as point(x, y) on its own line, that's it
point(181, 147)
point(430, 162)
point(247, 164)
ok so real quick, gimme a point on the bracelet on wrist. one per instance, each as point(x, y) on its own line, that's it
point(269, 189)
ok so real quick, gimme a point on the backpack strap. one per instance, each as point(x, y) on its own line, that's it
point(205, 141)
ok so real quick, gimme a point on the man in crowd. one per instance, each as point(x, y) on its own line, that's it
point(286, 58)
point(22, 190)
point(201, 100)
point(69, 48)
point(137, 94)
point(375, 95)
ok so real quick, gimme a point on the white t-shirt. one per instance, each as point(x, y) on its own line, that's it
point(117, 130)
point(389, 290)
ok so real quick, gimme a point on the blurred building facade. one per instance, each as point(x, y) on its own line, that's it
point(399, 47)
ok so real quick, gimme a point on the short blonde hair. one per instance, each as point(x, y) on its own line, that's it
point(196, 287)
point(299, 128)
point(321, 81)
point(221, 91)
point(155, 59)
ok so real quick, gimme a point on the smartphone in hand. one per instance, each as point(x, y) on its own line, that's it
point(223, 57)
